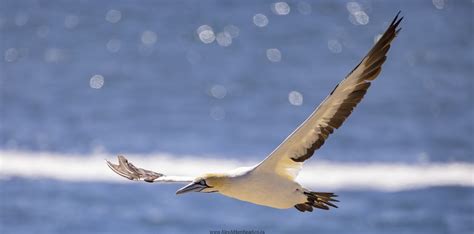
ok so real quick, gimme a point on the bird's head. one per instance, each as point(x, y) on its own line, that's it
point(207, 183)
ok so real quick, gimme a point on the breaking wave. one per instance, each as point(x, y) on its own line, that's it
point(316, 174)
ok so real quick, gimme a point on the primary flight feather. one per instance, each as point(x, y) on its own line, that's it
point(272, 182)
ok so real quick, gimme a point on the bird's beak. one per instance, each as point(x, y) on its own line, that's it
point(192, 187)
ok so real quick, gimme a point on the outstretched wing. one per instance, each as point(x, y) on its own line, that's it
point(128, 170)
point(288, 157)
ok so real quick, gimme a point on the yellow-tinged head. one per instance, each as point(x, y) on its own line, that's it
point(207, 183)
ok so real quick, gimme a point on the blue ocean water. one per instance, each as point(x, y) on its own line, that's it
point(43, 206)
point(135, 77)
point(157, 99)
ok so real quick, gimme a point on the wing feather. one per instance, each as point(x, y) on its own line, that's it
point(128, 170)
point(288, 157)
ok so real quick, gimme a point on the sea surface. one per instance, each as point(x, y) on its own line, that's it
point(184, 87)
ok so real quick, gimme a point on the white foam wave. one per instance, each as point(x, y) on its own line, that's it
point(315, 174)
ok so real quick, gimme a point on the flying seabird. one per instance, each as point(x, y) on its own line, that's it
point(272, 182)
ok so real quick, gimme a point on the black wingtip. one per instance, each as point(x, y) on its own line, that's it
point(396, 18)
point(396, 21)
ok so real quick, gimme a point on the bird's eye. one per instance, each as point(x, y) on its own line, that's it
point(202, 182)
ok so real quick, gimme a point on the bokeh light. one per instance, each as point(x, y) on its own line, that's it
point(224, 39)
point(53, 55)
point(274, 55)
point(280, 8)
point(295, 98)
point(113, 45)
point(304, 8)
point(357, 15)
point(149, 38)
point(11, 55)
point(334, 46)
point(439, 4)
point(360, 17)
point(260, 20)
point(353, 7)
point(113, 16)
point(206, 34)
point(233, 30)
point(218, 91)
point(96, 81)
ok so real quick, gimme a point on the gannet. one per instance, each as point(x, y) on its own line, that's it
point(272, 182)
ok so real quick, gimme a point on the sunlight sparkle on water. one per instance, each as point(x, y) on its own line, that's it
point(224, 39)
point(260, 20)
point(357, 15)
point(280, 8)
point(53, 55)
point(304, 8)
point(96, 81)
point(148, 38)
point(274, 55)
point(232, 30)
point(335, 46)
point(113, 16)
point(218, 91)
point(113, 45)
point(11, 55)
point(295, 98)
point(439, 4)
point(206, 34)
point(361, 17)
point(353, 7)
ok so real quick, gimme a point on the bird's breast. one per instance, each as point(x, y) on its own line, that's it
point(265, 189)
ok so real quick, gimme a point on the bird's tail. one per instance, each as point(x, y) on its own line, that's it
point(317, 200)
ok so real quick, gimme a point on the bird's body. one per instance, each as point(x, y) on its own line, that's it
point(272, 182)
point(250, 185)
